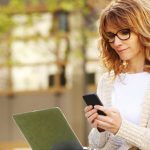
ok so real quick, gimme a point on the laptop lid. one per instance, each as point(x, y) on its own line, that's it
point(47, 130)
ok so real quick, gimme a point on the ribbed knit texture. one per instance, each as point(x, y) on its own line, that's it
point(131, 134)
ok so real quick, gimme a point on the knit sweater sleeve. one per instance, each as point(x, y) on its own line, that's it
point(103, 140)
point(96, 139)
point(134, 134)
point(106, 141)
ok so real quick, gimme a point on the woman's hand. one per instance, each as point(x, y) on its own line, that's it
point(111, 122)
point(91, 114)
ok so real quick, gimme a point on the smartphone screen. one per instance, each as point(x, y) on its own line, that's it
point(93, 99)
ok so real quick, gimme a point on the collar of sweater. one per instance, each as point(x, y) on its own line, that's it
point(145, 113)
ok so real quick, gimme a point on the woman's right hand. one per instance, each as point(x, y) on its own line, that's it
point(91, 114)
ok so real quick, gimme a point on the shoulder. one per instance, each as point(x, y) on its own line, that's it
point(105, 83)
point(108, 76)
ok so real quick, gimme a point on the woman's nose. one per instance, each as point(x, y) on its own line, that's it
point(117, 41)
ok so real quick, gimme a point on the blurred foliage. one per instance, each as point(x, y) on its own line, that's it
point(20, 6)
point(68, 5)
point(27, 6)
point(5, 24)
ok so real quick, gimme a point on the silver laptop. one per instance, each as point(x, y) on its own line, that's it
point(47, 130)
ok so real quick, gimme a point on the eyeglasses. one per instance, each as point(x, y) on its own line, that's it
point(123, 34)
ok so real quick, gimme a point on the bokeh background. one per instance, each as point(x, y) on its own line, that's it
point(49, 57)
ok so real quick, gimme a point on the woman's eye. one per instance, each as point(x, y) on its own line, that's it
point(125, 31)
point(110, 35)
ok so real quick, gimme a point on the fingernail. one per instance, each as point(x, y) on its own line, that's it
point(96, 106)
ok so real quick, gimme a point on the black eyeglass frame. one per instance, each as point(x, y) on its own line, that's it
point(116, 34)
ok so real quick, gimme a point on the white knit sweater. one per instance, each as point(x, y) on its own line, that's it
point(129, 134)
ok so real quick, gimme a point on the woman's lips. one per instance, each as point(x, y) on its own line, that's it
point(121, 50)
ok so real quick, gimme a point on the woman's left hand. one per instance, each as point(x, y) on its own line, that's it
point(111, 122)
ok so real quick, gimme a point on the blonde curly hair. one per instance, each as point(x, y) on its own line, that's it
point(133, 14)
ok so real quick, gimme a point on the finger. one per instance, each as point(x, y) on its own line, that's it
point(103, 125)
point(108, 111)
point(88, 108)
point(92, 118)
point(90, 113)
point(106, 119)
point(94, 124)
point(104, 109)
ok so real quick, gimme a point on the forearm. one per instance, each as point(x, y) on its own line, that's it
point(105, 141)
point(135, 135)
point(97, 139)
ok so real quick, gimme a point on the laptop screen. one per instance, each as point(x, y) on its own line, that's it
point(47, 130)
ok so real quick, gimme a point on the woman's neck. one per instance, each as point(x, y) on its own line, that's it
point(135, 66)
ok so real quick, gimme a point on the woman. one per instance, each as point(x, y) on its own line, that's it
point(125, 89)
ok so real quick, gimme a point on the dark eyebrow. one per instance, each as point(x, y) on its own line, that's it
point(117, 31)
point(109, 33)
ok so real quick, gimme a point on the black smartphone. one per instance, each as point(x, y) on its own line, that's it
point(93, 99)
